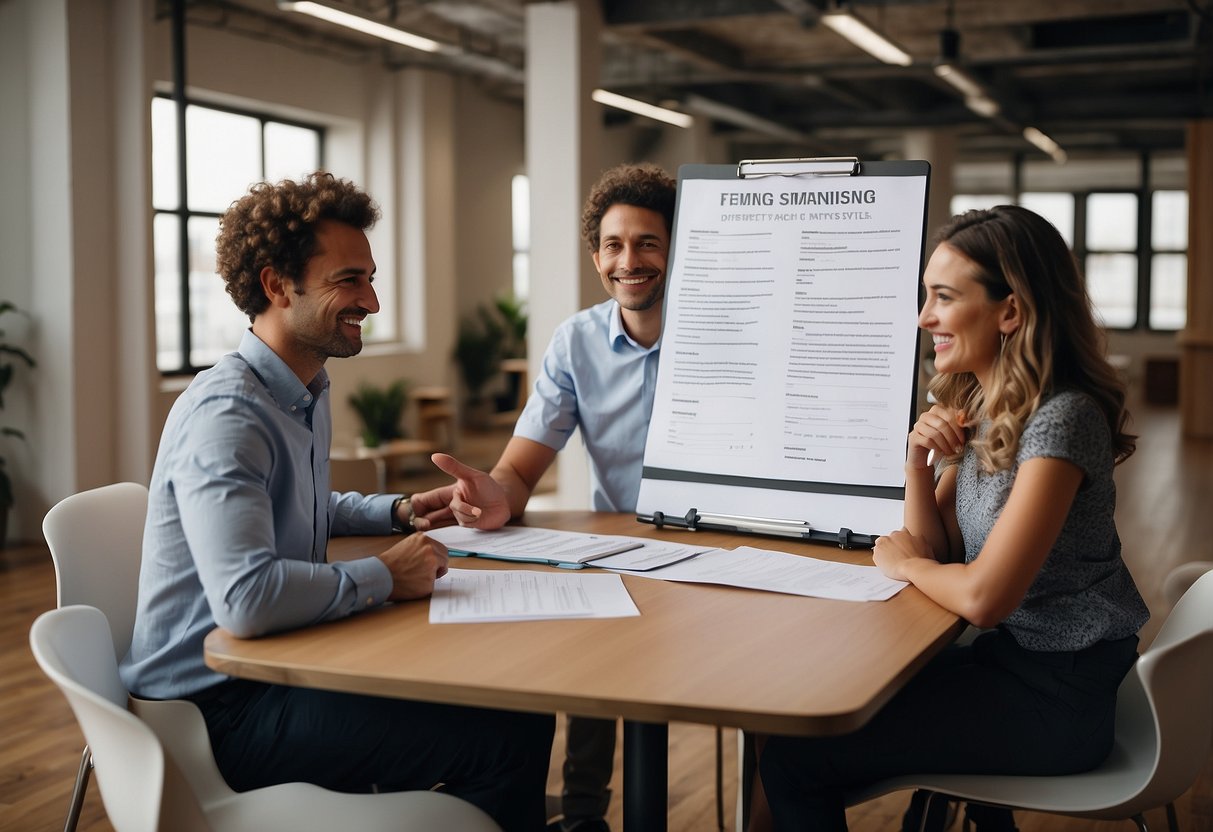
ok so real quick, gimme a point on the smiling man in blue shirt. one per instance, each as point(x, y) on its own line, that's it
point(239, 517)
point(599, 374)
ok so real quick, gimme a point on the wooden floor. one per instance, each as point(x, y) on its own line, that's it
point(1164, 516)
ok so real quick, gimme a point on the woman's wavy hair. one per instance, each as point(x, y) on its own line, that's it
point(1057, 346)
point(274, 224)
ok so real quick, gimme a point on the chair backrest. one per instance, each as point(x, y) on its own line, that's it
point(1176, 673)
point(141, 789)
point(96, 542)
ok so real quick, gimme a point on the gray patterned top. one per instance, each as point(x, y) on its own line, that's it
point(1084, 592)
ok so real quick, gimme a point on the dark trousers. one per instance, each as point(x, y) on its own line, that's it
point(991, 707)
point(268, 734)
point(588, 763)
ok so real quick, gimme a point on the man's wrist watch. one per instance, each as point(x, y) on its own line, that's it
point(402, 526)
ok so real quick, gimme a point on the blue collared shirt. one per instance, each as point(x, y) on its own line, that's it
point(239, 517)
point(596, 378)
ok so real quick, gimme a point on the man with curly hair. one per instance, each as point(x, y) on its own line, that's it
point(239, 517)
point(599, 375)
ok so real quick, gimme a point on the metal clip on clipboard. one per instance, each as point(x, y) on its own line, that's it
point(806, 166)
point(694, 520)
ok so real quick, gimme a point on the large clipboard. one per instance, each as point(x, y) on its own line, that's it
point(847, 510)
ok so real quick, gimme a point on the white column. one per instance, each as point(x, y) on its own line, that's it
point(80, 247)
point(563, 128)
point(937, 146)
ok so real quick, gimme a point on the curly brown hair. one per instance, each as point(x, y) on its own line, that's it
point(274, 224)
point(642, 185)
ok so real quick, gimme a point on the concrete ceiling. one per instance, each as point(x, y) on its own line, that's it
point(1096, 75)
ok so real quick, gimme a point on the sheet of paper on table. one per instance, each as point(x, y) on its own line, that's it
point(763, 569)
point(480, 595)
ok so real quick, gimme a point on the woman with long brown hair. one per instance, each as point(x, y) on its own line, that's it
point(1008, 523)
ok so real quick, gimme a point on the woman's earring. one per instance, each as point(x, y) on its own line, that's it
point(1002, 343)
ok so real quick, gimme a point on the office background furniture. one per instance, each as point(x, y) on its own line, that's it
point(384, 455)
point(1164, 731)
point(435, 416)
point(96, 540)
point(166, 779)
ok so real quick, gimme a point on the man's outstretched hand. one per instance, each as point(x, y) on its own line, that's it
point(475, 499)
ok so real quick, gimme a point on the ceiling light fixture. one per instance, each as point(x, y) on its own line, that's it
point(983, 105)
point(845, 22)
point(976, 97)
point(642, 108)
point(969, 86)
point(365, 25)
point(1045, 143)
point(742, 118)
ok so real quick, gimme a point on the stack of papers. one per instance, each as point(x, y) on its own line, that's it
point(490, 595)
point(568, 549)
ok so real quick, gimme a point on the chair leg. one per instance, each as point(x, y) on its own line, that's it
point(926, 809)
point(719, 779)
point(73, 809)
point(1172, 821)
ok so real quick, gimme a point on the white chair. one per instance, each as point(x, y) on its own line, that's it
point(96, 538)
point(144, 788)
point(1181, 578)
point(1164, 733)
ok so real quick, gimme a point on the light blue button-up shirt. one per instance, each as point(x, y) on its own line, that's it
point(239, 518)
point(596, 378)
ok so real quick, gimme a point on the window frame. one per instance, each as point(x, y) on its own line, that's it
point(183, 214)
point(1143, 252)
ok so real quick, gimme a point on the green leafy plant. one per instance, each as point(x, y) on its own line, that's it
point(381, 410)
point(512, 313)
point(9, 356)
point(478, 353)
point(493, 333)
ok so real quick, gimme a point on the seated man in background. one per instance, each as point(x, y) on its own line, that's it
point(239, 518)
point(599, 375)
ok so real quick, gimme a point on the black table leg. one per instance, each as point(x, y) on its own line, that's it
point(645, 776)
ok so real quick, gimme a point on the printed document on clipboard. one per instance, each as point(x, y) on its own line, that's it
point(789, 349)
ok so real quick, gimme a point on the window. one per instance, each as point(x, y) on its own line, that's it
point(1111, 258)
point(521, 212)
point(196, 321)
point(1057, 208)
point(1168, 260)
point(970, 202)
point(1134, 283)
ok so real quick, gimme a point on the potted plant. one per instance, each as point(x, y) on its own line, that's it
point(514, 320)
point(495, 332)
point(478, 353)
point(9, 357)
point(381, 410)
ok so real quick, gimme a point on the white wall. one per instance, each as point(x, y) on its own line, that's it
point(71, 75)
point(16, 230)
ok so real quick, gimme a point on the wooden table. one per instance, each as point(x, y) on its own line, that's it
point(760, 661)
